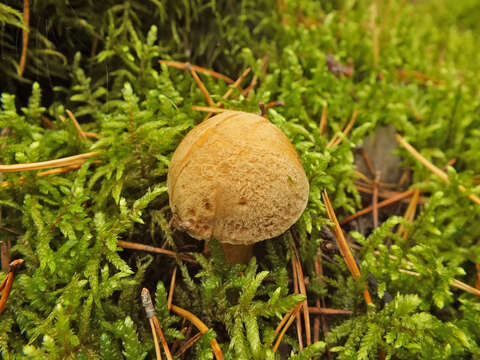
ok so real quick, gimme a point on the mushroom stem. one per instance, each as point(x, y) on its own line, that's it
point(237, 254)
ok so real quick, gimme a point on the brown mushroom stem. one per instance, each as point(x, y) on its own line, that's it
point(237, 254)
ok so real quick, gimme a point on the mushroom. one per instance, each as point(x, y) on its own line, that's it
point(236, 178)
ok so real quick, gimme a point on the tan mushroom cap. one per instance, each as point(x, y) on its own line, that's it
point(237, 178)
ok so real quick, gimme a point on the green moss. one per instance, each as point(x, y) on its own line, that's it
point(78, 294)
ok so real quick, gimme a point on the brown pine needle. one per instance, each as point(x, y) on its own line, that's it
point(363, 177)
point(375, 202)
point(275, 103)
point(47, 122)
point(152, 316)
point(5, 255)
point(214, 110)
point(142, 247)
point(7, 283)
point(188, 344)
point(183, 66)
point(172, 288)
point(384, 203)
point(383, 193)
point(80, 132)
point(168, 354)
point(328, 311)
point(441, 174)
point(155, 340)
point(323, 121)
point(71, 160)
point(336, 140)
point(409, 213)
point(202, 87)
point(287, 325)
point(26, 19)
point(285, 319)
point(91, 134)
point(456, 283)
point(49, 172)
point(343, 246)
point(201, 327)
point(296, 291)
point(237, 83)
point(303, 291)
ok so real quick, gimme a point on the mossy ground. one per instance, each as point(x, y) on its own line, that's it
point(77, 296)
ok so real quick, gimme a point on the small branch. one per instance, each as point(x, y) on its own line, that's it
point(71, 160)
point(441, 174)
point(183, 66)
point(26, 19)
point(142, 247)
point(343, 246)
point(201, 327)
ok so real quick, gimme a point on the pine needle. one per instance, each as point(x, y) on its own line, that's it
point(201, 327)
point(183, 66)
point(7, 283)
point(80, 132)
point(343, 246)
point(71, 160)
point(293, 315)
point(142, 247)
point(323, 120)
point(172, 288)
point(202, 87)
point(441, 174)
point(25, 32)
point(384, 203)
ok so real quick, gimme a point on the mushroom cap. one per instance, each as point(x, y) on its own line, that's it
point(236, 177)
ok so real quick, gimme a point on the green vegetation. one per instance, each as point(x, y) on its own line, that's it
point(77, 295)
